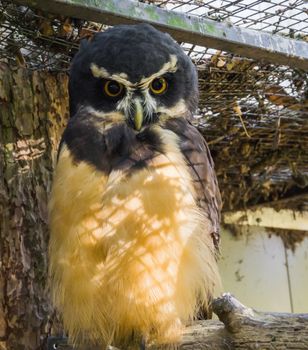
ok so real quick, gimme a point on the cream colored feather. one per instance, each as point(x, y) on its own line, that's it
point(129, 254)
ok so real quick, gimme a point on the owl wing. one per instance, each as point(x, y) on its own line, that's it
point(201, 166)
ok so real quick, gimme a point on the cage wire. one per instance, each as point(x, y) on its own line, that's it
point(253, 114)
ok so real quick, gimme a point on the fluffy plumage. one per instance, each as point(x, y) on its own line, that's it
point(134, 212)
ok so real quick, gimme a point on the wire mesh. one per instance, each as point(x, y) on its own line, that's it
point(254, 115)
point(284, 16)
point(255, 118)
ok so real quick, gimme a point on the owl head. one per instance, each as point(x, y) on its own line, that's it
point(135, 70)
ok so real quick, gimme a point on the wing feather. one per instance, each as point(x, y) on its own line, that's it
point(201, 165)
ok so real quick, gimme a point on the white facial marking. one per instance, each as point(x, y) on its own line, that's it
point(169, 67)
point(100, 72)
point(177, 110)
point(150, 103)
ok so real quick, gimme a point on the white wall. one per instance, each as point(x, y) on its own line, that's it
point(254, 268)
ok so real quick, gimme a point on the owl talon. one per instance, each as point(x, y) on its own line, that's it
point(143, 344)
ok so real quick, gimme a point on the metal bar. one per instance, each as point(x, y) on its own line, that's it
point(184, 28)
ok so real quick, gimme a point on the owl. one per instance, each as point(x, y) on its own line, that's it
point(135, 206)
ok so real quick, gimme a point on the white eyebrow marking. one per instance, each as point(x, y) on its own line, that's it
point(100, 72)
point(166, 68)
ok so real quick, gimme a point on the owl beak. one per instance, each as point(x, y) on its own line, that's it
point(138, 114)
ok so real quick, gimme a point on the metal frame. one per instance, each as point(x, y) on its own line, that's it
point(185, 28)
point(268, 217)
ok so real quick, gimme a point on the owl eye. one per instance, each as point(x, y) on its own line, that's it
point(159, 86)
point(112, 88)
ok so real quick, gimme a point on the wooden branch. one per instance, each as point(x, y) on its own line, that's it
point(184, 27)
point(250, 329)
point(239, 328)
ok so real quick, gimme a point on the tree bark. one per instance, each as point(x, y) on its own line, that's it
point(250, 329)
point(33, 112)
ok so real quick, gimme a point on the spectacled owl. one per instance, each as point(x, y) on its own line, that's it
point(135, 206)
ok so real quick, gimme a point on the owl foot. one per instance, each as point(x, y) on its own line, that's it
point(143, 343)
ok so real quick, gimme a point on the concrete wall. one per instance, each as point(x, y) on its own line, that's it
point(262, 274)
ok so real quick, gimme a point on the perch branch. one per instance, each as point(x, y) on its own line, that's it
point(239, 328)
point(250, 329)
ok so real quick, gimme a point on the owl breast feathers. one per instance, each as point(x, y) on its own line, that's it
point(135, 206)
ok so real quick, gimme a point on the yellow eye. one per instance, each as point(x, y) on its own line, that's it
point(159, 86)
point(112, 88)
